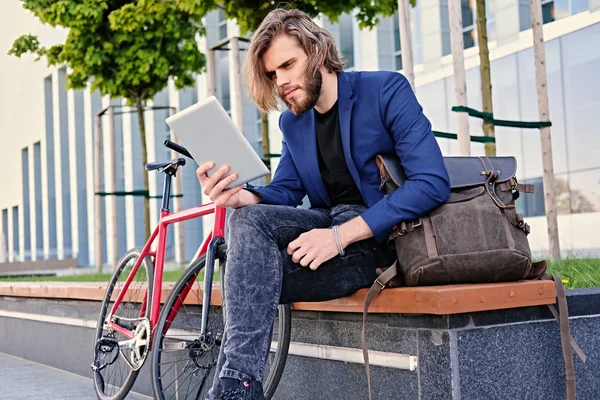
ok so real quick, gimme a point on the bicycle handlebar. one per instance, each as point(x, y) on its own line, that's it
point(178, 148)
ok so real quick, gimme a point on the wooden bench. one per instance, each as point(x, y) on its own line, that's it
point(440, 300)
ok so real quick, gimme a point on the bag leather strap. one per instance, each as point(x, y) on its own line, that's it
point(374, 290)
point(430, 242)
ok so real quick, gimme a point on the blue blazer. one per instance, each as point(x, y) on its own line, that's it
point(379, 114)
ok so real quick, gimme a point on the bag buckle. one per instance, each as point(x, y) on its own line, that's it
point(417, 223)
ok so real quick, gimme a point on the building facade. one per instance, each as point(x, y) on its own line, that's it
point(47, 202)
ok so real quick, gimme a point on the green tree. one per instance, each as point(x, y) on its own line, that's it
point(250, 13)
point(125, 49)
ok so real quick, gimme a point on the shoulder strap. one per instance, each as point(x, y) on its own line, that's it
point(562, 317)
point(374, 290)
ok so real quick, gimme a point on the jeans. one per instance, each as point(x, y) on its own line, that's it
point(260, 274)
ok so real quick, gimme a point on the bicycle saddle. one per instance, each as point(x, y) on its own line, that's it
point(161, 165)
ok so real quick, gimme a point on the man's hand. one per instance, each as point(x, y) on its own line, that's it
point(318, 245)
point(313, 248)
point(215, 187)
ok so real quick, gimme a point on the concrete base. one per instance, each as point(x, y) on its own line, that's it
point(503, 354)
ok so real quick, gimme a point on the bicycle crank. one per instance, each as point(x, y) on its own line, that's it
point(138, 346)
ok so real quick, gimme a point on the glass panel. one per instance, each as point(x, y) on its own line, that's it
point(581, 63)
point(469, 38)
point(506, 106)
point(584, 190)
point(578, 6)
point(548, 12)
point(223, 81)
point(347, 39)
point(446, 47)
point(222, 31)
point(532, 204)
point(524, 16)
point(561, 9)
point(432, 98)
point(396, 32)
point(467, 8)
point(398, 62)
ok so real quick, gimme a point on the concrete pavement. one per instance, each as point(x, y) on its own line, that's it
point(26, 380)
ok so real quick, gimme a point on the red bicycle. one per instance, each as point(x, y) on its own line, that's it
point(184, 335)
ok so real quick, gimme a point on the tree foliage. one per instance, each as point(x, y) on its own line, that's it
point(250, 13)
point(126, 49)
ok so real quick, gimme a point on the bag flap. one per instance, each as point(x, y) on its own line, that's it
point(463, 171)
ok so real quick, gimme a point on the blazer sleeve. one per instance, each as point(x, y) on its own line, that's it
point(286, 187)
point(427, 185)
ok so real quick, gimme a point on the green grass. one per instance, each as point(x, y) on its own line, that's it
point(577, 272)
point(168, 276)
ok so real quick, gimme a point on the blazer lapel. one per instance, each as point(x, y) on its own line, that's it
point(345, 103)
point(309, 132)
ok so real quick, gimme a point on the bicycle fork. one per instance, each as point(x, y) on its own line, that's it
point(208, 280)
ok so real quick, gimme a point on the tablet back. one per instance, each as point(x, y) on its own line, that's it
point(209, 134)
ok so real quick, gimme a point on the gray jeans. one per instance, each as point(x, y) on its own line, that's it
point(260, 274)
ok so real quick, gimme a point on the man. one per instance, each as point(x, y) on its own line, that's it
point(336, 124)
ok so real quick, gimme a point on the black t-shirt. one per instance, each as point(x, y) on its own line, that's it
point(332, 163)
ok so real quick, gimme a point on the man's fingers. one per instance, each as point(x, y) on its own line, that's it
point(316, 263)
point(293, 246)
point(220, 187)
point(307, 259)
point(209, 184)
point(203, 169)
point(298, 255)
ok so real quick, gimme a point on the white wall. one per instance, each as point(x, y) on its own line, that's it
point(21, 95)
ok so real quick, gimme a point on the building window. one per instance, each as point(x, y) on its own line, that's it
point(552, 10)
point(347, 39)
point(222, 23)
point(469, 21)
point(397, 46)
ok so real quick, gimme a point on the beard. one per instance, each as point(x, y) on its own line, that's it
point(312, 88)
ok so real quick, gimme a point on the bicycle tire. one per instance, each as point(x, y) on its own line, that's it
point(271, 382)
point(100, 382)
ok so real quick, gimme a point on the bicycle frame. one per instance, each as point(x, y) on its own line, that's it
point(208, 247)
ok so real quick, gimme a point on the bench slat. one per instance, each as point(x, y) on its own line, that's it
point(443, 300)
point(440, 300)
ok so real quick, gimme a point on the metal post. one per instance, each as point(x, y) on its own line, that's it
point(544, 115)
point(406, 42)
point(236, 85)
point(460, 83)
point(112, 187)
point(211, 73)
point(98, 188)
point(178, 203)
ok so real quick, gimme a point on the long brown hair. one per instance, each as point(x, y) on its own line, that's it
point(313, 39)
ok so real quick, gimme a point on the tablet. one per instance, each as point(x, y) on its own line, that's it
point(209, 134)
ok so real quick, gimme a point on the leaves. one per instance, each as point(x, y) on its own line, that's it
point(126, 49)
point(250, 13)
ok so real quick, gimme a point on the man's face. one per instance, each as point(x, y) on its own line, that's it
point(286, 62)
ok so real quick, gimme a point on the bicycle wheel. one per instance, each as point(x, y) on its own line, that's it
point(183, 363)
point(117, 359)
point(280, 344)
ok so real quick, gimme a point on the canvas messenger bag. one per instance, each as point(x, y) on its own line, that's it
point(475, 237)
